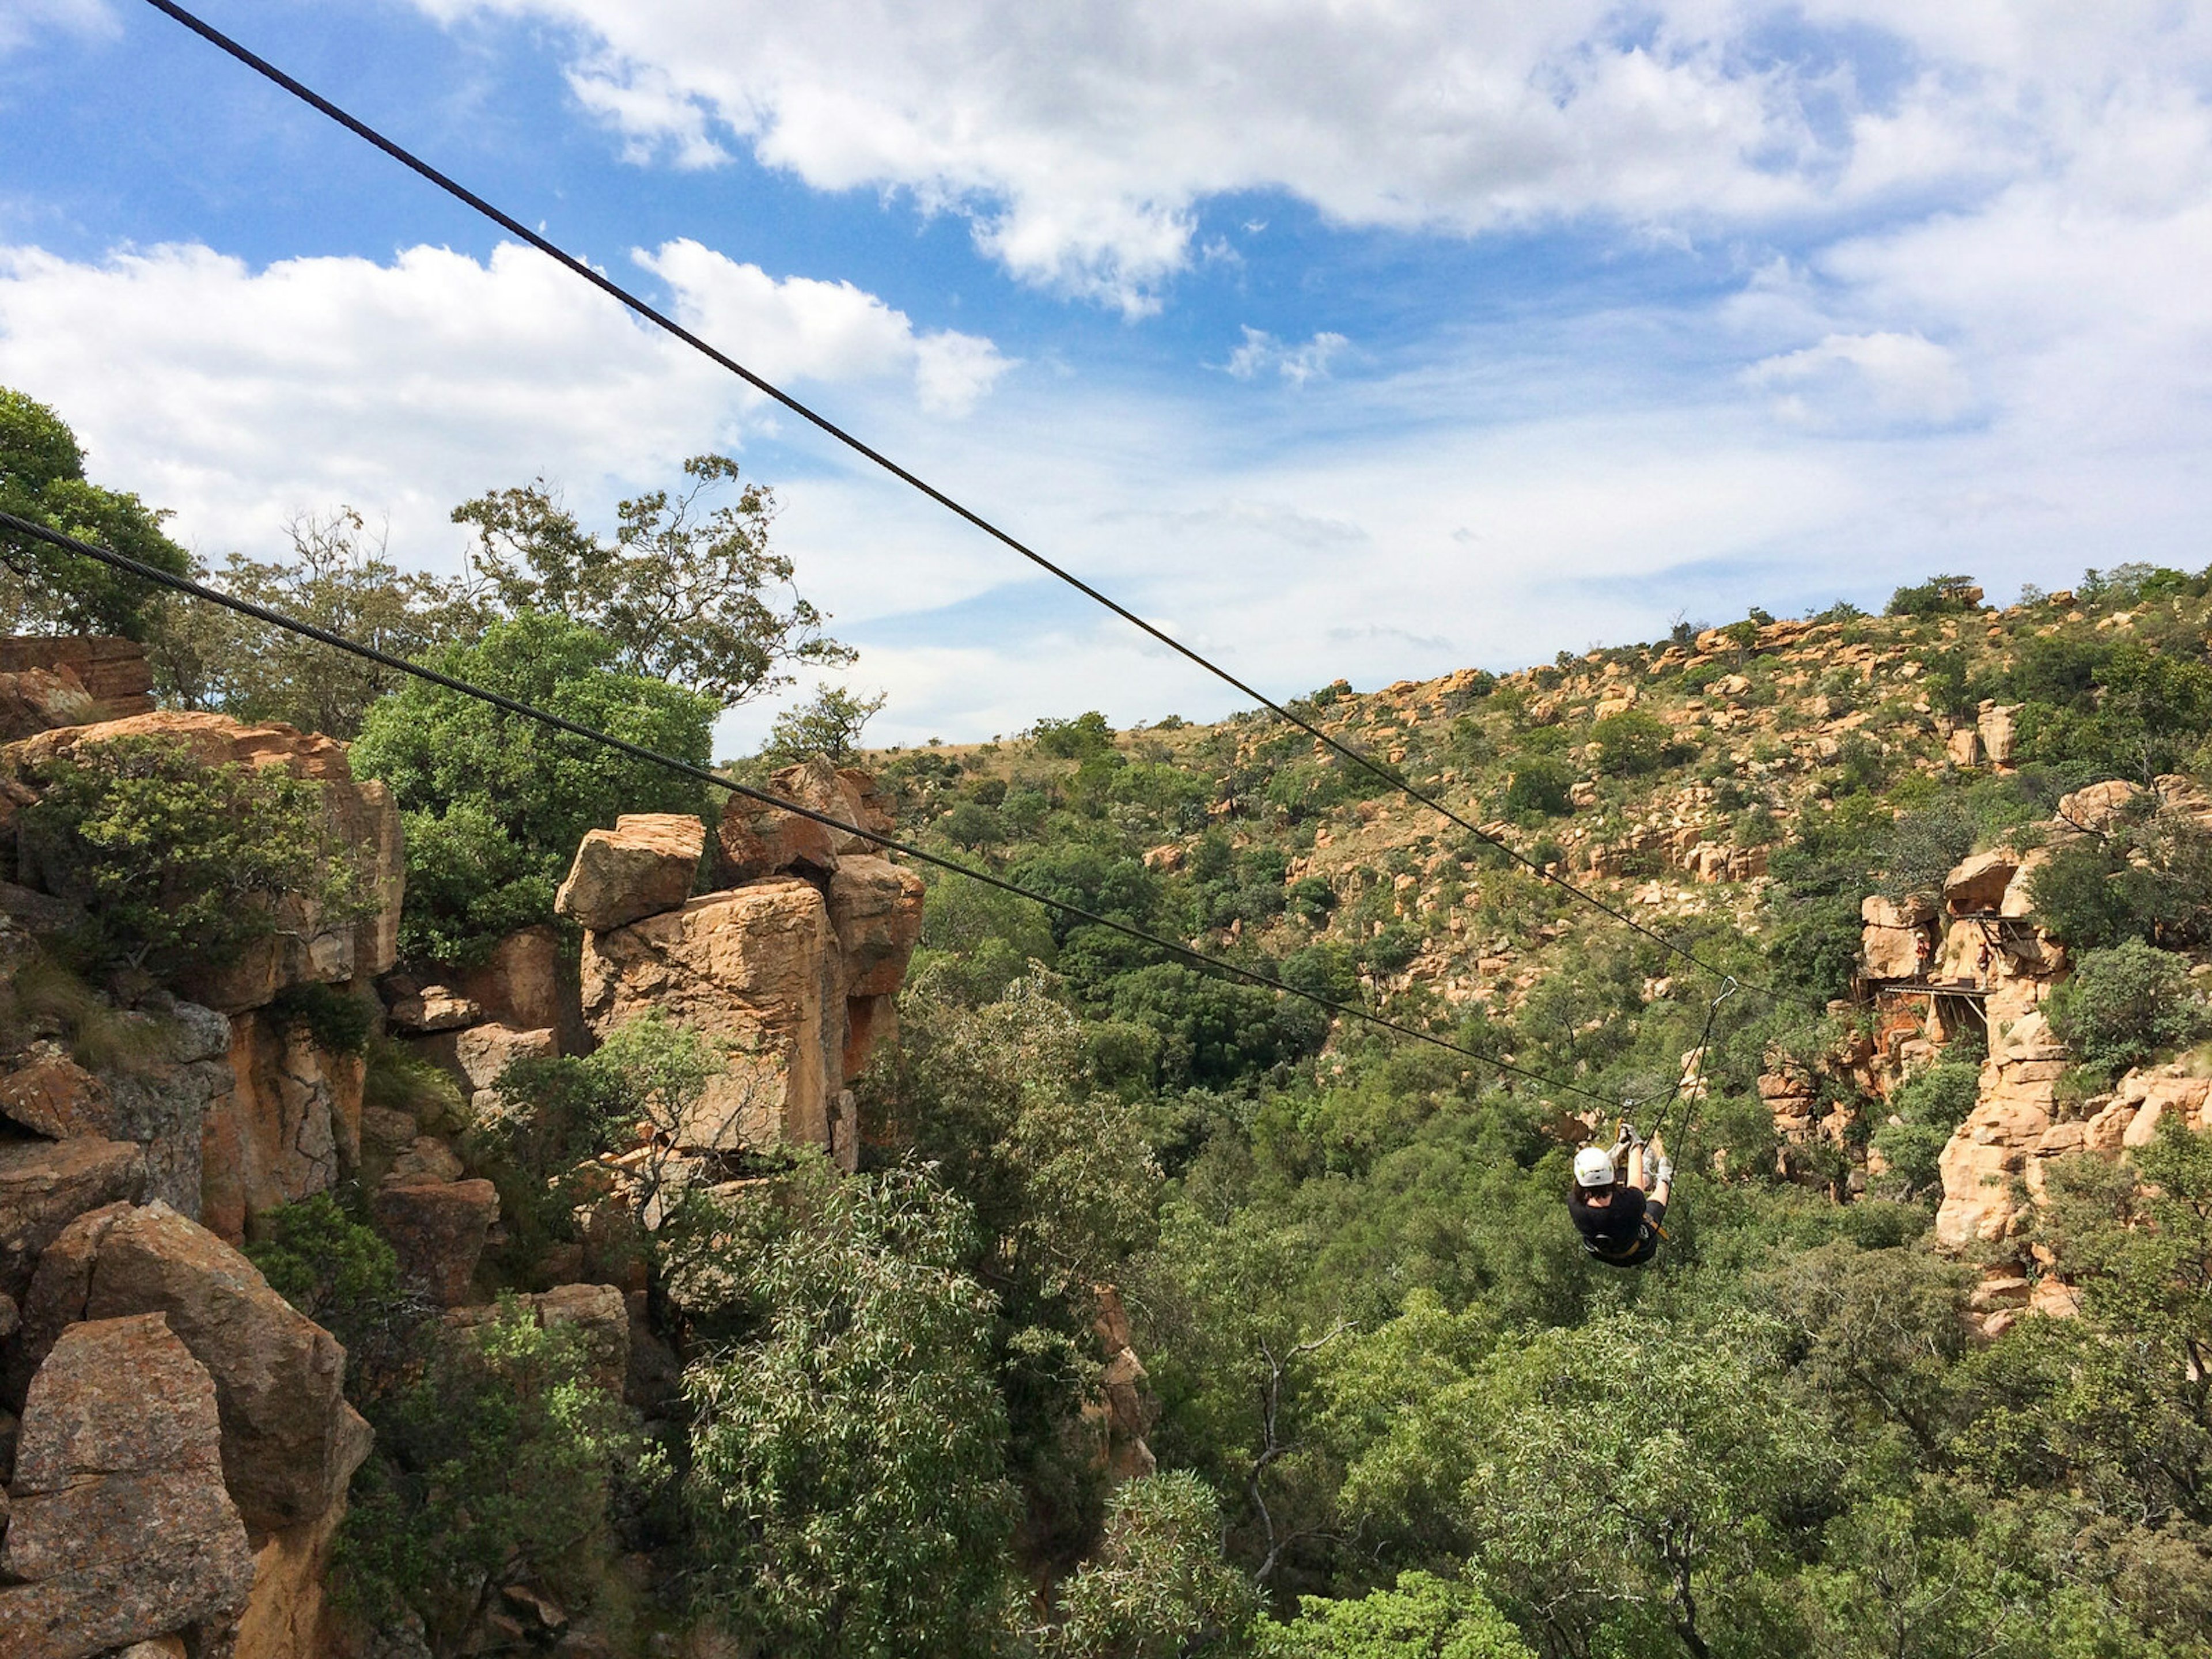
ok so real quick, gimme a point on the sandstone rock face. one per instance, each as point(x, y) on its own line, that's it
point(360, 815)
point(438, 1229)
point(289, 1128)
point(519, 986)
point(166, 1104)
point(754, 839)
point(756, 973)
point(45, 1185)
point(33, 700)
point(1124, 1411)
point(1891, 933)
point(289, 1441)
point(1964, 747)
point(288, 1616)
point(120, 1521)
point(2096, 808)
point(876, 908)
point(113, 672)
point(56, 1098)
point(2003, 1140)
point(643, 865)
point(1979, 885)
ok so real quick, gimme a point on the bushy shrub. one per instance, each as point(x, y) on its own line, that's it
point(339, 1272)
point(180, 864)
point(339, 1021)
point(2123, 1004)
point(1931, 1104)
point(1423, 1617)
point(845, 1488)
point(1935, 597)
point(1632, 743)
point(1158, 1588)
point(1537, 788)
point(496, 1465)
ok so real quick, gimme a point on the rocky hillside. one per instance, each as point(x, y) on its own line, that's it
point(753, 1244)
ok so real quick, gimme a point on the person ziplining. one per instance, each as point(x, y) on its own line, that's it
point(1618, 1210)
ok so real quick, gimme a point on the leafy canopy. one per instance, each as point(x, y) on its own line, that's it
point(495, 804)
point(689, 591)
point(43, 589)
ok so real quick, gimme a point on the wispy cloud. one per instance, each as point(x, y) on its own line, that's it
point(1262, 351)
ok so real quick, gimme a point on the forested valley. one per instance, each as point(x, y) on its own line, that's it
point(1114, 1306)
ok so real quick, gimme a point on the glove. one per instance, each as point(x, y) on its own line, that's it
point(1627, 1138)
point(1666, 1171)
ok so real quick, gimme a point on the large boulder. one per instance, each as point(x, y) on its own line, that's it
point(475, 1056)
point(35, 700)
point(754, 839)
point(290, 1443)
point(756, 973)
point(2095, 809)
point(53, 1096)
point(289, 1129)
point(56, 1300)
point(1891, 933)
point(1998, 727)
point(121, 1528)
point(1977, 885)
point(45, 1185)
point(876, 909)
point(359, 814)
point(643, 865)
point(437, 1230)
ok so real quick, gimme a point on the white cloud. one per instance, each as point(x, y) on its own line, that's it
point(1084, 139)
point(1854, 381)
point(1262, 351)
point(21, 19)
point(800, 328)
point(238, 397)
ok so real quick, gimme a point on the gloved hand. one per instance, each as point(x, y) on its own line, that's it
point(1627, 1138)
point(1665, 1172)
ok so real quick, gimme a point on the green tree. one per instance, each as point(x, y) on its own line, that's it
point(44, 589)
point(340, 579)
point(827, 724)
point(689, 591)
point(1935, 597)
point(495, 803)
point(180, 864)
point(1158, 1588)
point(497, 1466)
point(1632, 743)
point(845, 1488)
point(1425, 1617)
point(1080, 740)
point(2123, 1004)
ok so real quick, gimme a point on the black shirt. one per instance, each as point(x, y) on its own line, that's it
point(1614, 1226)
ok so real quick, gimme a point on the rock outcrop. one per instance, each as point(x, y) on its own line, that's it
point(46, 1185)
point(790, 975)
point(289, 1128)
point(1894, 935)
point(121, 1528)
point(438, 1229)
point(359, 816)
point(757, 973)
point(643, 865)
point(290, 1441)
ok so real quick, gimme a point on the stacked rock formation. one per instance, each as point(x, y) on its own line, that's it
point(789, 968)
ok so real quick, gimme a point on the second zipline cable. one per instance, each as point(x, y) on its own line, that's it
point(200, 591)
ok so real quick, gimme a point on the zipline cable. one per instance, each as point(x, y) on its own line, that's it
point(660, 320)
point(192, 589)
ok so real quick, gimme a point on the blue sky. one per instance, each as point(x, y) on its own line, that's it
point(1356, 339)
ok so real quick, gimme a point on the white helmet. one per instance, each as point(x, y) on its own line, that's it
point(1593, 1167)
